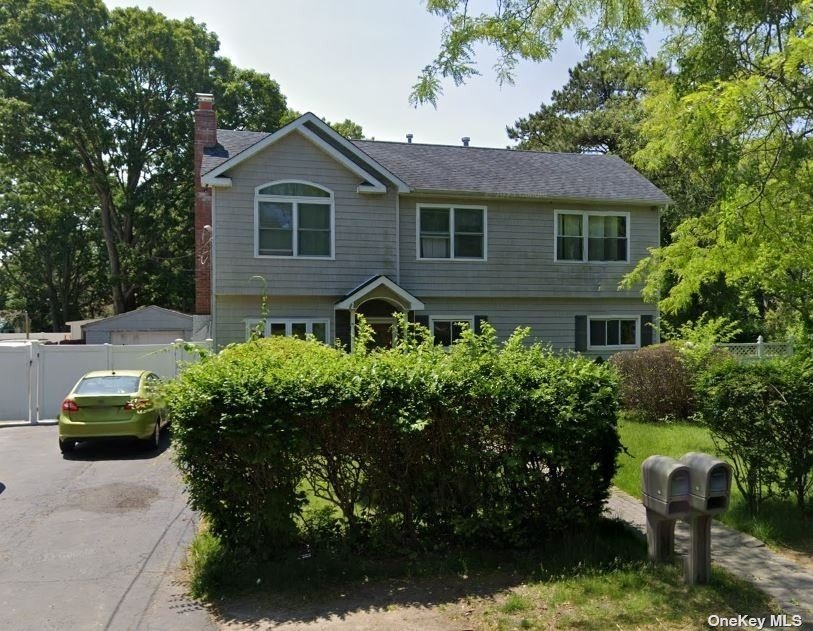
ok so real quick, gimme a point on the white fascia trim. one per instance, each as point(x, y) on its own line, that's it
point(413, 303)
point(368, 188)
point(217, 182)
point(374, 187)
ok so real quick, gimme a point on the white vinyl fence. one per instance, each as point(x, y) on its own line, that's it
point(34, 377)
point(755, 351)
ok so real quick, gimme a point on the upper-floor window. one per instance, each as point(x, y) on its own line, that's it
point(451, 232)
point(591, 236)
point(294, 219)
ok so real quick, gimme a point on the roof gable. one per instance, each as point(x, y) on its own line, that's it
point(242, 146)
point(369, 287)
point(182, 319)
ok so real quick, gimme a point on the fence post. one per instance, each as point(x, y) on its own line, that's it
point(760, 348)
point(33, 382)
point(108, 349)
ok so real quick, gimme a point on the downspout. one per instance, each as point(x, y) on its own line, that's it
point(656, 338)
point(352, 327)
point(397, 238)
point(212, 275)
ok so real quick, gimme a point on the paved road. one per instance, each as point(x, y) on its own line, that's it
point(94, 541)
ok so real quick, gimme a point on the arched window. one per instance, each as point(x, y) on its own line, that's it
point(294, 218)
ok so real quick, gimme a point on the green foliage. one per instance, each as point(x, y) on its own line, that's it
point(104, 99)
point(524, 29)
point(655, 383)
point(598, 110)
point(51, 265)
point(697, 341)
point(761, 417)
point(745, 121)
point(480, 442)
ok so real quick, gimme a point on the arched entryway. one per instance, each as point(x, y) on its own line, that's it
point(380, 315)
point(378, 299)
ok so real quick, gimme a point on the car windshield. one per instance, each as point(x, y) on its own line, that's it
point(113, 384)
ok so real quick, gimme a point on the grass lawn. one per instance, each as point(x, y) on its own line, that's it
point(595, 580)
point(779, 523)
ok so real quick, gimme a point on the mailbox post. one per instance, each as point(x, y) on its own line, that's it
point(710, 492)
point(693, 489)
point(665, 487)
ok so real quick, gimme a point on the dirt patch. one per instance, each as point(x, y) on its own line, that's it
point(429, 605)
point(118, 497)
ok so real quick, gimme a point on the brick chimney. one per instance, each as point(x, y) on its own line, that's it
point(205, 136)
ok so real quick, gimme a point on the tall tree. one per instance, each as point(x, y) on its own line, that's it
point(745, 88)
point(598, 110)
point(112, 93)
point(52, 266)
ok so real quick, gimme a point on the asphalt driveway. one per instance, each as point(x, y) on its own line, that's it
point(94, 541)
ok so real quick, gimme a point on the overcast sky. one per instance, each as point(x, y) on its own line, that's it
point(358, 59)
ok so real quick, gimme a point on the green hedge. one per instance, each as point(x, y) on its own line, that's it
point(484, 442)
point(760, 415)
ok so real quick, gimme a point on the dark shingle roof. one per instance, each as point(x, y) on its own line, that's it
point(230, 143)
point(513, 173)
point(501, 172)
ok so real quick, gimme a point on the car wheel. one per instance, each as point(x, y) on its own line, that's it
point(154, 441)
point(67, 445)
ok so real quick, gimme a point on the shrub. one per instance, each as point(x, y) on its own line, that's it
point(655, 383)
point(761, 417)
point(507, 444)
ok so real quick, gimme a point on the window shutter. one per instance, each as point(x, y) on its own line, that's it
point(478, 323)
point(646, 330)
point(410, 316)
point(343, 327)
point(581, 333)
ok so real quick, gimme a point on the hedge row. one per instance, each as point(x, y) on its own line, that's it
point(760, 415)
point(501, 443)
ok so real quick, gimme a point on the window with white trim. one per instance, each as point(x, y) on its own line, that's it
point(451, 232)
point(613, 332)
point(591, 236)
point(448, 329)
point(294, 219)
point(292, 327)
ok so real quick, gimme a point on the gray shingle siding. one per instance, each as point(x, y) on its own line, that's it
point(518, 284)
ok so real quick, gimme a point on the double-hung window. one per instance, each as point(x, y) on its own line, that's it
point(294, 219)
point(448, 329)
point(451, 232)
point(613, 332)
point(591, 236)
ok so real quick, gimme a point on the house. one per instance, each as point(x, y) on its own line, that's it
point(329, 228)
point(146, 325)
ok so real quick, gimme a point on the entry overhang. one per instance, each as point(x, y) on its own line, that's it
point(358, 295)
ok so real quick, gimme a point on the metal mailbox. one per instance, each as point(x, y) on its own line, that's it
point(710, 483)
point(666, 486)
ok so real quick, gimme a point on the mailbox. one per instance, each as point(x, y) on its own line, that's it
point(666, 486)
point(710, 483)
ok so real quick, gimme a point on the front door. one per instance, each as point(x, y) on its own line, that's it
point(382, 331)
